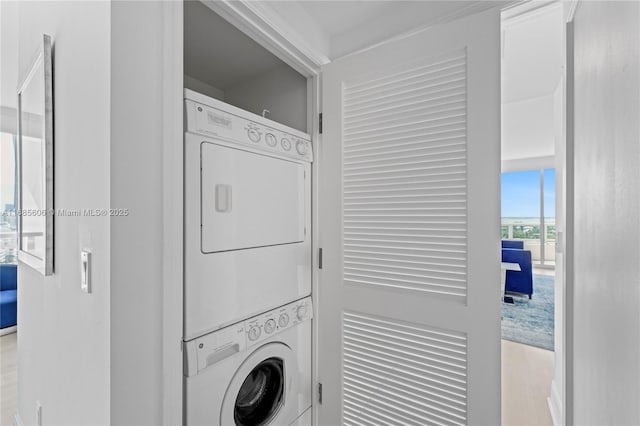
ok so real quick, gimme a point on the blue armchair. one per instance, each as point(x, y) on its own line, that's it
point(8, 295)
point(518, 281)
point(513, 244)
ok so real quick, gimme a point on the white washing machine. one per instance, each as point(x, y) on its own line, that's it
point(256, 372)
point(247, 215)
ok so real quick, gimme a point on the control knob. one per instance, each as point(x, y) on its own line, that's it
point(283, 320)
point(286, 144)
point(301, 312)
point(269, 326)
point(271, 140)
point(253, 134)
point(301, 147)
point(254, 333)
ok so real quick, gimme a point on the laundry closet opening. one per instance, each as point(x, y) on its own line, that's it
point(222, 62)
point(247, 268)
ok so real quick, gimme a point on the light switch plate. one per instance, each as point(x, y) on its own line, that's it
point(85, 271)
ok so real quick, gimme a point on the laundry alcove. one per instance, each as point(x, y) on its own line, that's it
point(247, 275)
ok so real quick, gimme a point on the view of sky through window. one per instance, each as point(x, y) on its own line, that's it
point(521, 194)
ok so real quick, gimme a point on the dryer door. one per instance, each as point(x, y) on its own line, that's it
point(263, 390)
point(249, 199)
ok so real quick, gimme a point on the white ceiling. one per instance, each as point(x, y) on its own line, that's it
point(9, 54)
point(350, 25)
point(336, 17)
point(528, 128)
point(531, 72)
point(532, 55)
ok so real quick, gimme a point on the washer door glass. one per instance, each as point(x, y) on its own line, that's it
point(261, 394)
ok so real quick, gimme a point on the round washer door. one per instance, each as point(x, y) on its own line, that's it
point(263, 390)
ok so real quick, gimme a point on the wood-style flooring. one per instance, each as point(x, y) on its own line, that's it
point(527, 372)
point(8, 378)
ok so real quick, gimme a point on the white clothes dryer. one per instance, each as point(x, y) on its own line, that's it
point(254, 373)
point(247, 218)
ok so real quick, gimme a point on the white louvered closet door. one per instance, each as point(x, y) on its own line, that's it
point(408, 296)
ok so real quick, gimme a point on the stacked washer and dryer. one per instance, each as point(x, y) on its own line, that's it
point(247, 305)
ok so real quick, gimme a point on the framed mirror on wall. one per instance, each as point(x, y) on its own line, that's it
point(35, 163)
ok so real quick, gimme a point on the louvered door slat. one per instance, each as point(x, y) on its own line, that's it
point(410, 150)
point(418, 187)
point(408, 143)
point(369, 160)
point(405, 266)
point(412, 177)
point(399, 77)
point(379, 120)
point(433, 93)
point(439, 103)
point(416, 162)
point(403, 371)
point(398, 238)
point(446, 128)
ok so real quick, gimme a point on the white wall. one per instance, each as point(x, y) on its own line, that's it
point(527, 129)
point(136, 241)
point(282, 91)
point(63, 333)
point(607, 206)
point(202, 87)
point(8, 59)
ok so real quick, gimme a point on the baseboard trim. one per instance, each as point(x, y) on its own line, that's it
point(555, 405)
point(8, 330)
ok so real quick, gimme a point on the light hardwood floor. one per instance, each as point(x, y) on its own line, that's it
point(9, 378)
point(526, 379)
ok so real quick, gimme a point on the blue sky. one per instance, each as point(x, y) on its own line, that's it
point(521, 193)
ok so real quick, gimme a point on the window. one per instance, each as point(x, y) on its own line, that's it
point(550, 203)
point(505, 232)
point(8, 199)
point(526, 232)
point(551, 232)
point(528, 212)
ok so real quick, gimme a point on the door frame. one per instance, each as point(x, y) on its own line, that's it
point(568, 414)
point(561, 389)
point(255, 21)
point(172, 218)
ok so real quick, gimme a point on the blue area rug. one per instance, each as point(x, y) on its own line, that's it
point(531, 321)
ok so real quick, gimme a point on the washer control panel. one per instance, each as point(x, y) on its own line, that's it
point(214, 347)
point(247, 129)
point(264, 326)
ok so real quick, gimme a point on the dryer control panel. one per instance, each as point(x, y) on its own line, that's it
point(212, 117)
point(214, 347)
